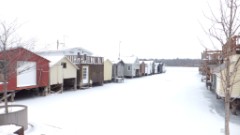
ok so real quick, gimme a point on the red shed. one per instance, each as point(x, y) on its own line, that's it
point(25, 70)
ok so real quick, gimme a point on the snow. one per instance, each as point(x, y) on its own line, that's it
point(129, 60)
point(173, 103)
point(53, 59)
point(11, 109)
point(8, 129)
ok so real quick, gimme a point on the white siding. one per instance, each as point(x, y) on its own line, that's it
point(70, 71)
point(107, 70)
point(56, 74)
point(235, 79)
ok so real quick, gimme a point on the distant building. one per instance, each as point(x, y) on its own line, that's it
point(90, 70)
point(131, 67)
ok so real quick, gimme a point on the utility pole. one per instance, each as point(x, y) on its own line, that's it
point(57, 44)
point(119, 50)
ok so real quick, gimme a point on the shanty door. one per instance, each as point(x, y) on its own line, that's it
point(85, 74)
point(26, 73)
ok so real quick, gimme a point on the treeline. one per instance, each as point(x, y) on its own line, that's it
point(182, 62)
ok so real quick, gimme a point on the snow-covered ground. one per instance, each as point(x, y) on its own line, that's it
point(172, 103)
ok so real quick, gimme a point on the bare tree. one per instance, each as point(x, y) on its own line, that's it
point(5, 35)
point(225, 24)
point(8, 61)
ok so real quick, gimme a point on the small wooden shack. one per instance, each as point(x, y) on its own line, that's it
point(161, 67)
point(118, 71)
point(226, 76)
point(142, 70)
point(131, 67)
point(63, 73)
point(25, 70)
point(220, 73)
point(156, 67)
point(231, 47)
point(149, 67)
point(90, 70)
point(210, 59)
point(107, 70)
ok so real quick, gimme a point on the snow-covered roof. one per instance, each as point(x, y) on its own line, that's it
point(148, 62)
point(218, 68)
point(117, 61)
point(141, 61)
point(84, 51)
point(129, 60)
point(107, 60)
point(55, 59)
point(69, 51)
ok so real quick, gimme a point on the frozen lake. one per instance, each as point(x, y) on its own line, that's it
point(175, 102)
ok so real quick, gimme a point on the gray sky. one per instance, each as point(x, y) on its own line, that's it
point(146, 28)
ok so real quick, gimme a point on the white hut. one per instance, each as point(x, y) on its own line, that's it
point(149, 67)
point(220, 75)
point(107, 70)
point(118, 71)
point(63, 73)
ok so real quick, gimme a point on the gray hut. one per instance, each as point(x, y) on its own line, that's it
point(118, 70)
point(132, 66)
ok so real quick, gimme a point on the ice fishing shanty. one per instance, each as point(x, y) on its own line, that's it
point(25, 70)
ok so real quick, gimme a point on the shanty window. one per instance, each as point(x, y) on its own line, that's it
point(84, 75)
point(64, 64)
point(129, 68)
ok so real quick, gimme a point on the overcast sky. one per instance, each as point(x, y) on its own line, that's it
point(145, 28)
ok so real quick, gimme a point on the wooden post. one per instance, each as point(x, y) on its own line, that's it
point(61, 88)
point(46, 91)
point(12, 96)
point(75, 83)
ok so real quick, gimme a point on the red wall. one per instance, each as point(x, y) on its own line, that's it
point(21, 54)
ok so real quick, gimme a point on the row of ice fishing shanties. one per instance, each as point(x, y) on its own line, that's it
point(75, 68)
point(220, 66)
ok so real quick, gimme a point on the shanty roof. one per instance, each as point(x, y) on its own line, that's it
point(221, 67)
point(117, 61)
point(107, 60)
point(130, 59)
point(149, 62)
point(16, 52)
point(55, 59)
point(69, 51)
